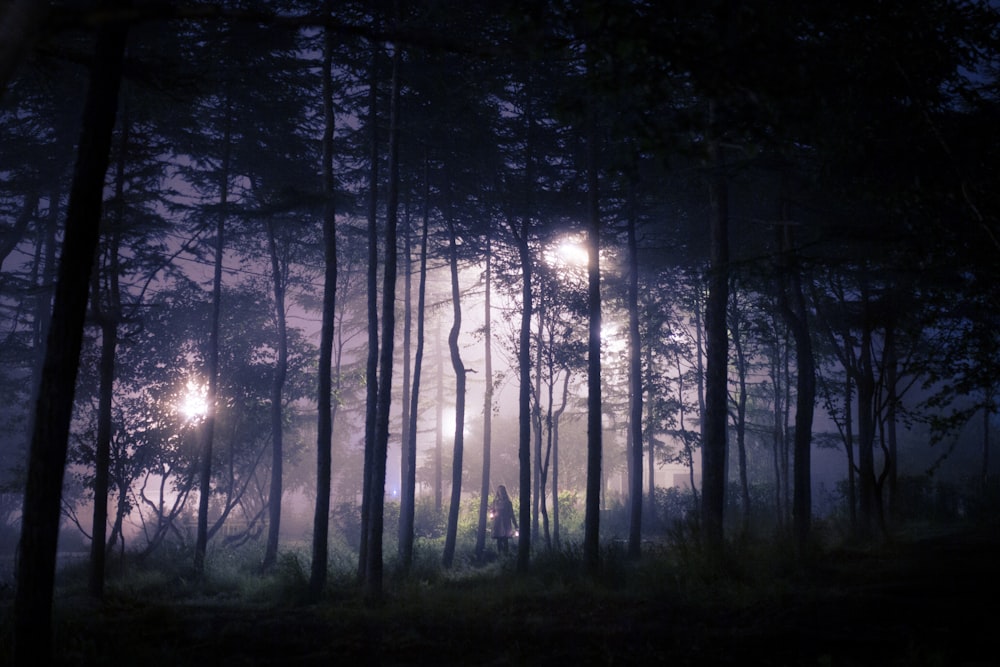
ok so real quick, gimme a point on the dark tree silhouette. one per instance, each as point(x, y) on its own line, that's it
point(324, 436)
point(53, 411)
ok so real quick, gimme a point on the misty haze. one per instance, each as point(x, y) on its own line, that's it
point(497, 333)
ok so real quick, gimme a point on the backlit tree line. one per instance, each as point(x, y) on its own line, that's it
point(681, 233)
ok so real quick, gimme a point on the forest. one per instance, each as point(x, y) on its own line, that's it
point(290, 290)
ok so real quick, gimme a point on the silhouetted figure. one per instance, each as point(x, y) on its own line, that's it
point(504, 521)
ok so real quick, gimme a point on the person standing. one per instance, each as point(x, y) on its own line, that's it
point(504, 521)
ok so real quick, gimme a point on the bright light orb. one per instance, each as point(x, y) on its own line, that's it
point(568, 252)
point(194, 403)
point(572, 253)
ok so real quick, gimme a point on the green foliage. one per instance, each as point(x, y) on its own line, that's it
point(428, 521)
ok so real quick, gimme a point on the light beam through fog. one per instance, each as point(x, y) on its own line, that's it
point(194, 403)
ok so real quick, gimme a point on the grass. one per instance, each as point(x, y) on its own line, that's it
point(897, 604)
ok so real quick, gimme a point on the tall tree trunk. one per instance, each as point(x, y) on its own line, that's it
point(108, 318)
point(635, 387)
point(891, 378)
point(794, 308)
point(713, 460)
point(592, 513)
point(404, 430)
point(371, 364)
point(277, 397)
point(536, 416)
point(984, 466)
point(439, 422)
point(866, 428)
point(741, 411)
point(484, 489)
point(522, 234)
point(852, 492)
point(543, 465)
point(373, 569)
point(408, 506)
point(681, 425)
point(555, 458)
point(524, 399)
point(32, 613)
point(460, 379)
point(212, 363)
point(324, 397)
point(777, 432)
point(651, 437)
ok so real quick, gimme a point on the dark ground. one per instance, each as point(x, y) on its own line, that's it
point(931, 601)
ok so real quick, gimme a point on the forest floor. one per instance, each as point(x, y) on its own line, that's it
point(927, 601)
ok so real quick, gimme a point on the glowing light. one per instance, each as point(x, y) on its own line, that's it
point(194, 403)
point(568, 252)
point(572, 252)
point(613, 337)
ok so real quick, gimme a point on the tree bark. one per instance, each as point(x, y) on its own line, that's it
point(324, 398)
point(32, 638)
point(371, 363)
point(108, 318)
point(374, 566)
point(713, 461)
point(635, 389)
point(742, 370)
point(484, 489)
point(277, 396)
point(794, 309)
point(409, 482)
point(460, 380)
point(212, 363)
point(592, 513)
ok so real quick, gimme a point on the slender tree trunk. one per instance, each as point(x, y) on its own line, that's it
point(460, 379)
point(713, 476)
point(547, 457)
point(866, 431)
point(852, 492)
point(404, 432)
point(108, 318)
point(635, 388)
point(523, 237)
point(32, 611)
point(524, 400)
point(777, 433)
point(484, 489)
point(109, 345)
point(212, 363)
point(794, 308)
point(439, 424)
point(324, 399)
point(410, 481)
point(651, 437)
point(592, 514)
point(984, 468)
point(892, 377)
point(277, 397)
point(373, 569)
point(536, 417)
point(741, 412)
point(681, 416)
point(555, 458)
point(371, 364)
